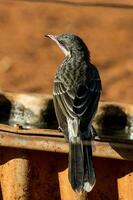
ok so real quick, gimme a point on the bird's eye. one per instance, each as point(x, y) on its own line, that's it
point(62, 43)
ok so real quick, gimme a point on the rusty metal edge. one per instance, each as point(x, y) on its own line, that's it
point(54, 144)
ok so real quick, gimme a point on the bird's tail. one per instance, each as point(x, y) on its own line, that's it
point(81, 172)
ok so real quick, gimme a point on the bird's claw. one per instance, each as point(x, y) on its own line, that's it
point(60, 129)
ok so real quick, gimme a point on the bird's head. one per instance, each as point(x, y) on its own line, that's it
point(70, 43)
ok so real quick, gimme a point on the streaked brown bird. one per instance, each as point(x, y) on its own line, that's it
point(76, 93)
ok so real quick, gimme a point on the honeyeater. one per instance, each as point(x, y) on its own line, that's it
point(76, 93)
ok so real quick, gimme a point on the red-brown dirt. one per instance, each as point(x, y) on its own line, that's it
point(28, 60)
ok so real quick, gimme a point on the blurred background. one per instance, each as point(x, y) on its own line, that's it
point(28, 60)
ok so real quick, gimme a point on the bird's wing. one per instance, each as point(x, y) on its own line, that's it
point(64, 99)
point(83, 102)
point(88, 94)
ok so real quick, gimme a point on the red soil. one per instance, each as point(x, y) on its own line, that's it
point(28, 60)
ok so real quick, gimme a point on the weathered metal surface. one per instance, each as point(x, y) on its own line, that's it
point(113, 123)
point(27, 110)
point(41, 175)
point(31, 167)
point(58, 144)
point(35, 175)
point(14, 174)
point(113, 120)
point(125, 181)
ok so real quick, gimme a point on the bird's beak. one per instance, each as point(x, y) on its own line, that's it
point(53, 37)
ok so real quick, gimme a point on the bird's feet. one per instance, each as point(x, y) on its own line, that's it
point(60, 129)
point(93, 131)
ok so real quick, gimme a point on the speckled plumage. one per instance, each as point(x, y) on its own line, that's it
point(73, 66)
point(76, 93)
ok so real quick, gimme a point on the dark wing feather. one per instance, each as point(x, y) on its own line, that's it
point(63, 103)
point(87, 97)
point(65, 99)
point(81, 102)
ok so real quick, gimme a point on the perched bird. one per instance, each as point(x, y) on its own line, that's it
point(76, 93)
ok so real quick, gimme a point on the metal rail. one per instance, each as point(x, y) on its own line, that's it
point(53, 141)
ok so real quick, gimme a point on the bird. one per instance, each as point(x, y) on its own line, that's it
point(76, 93)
